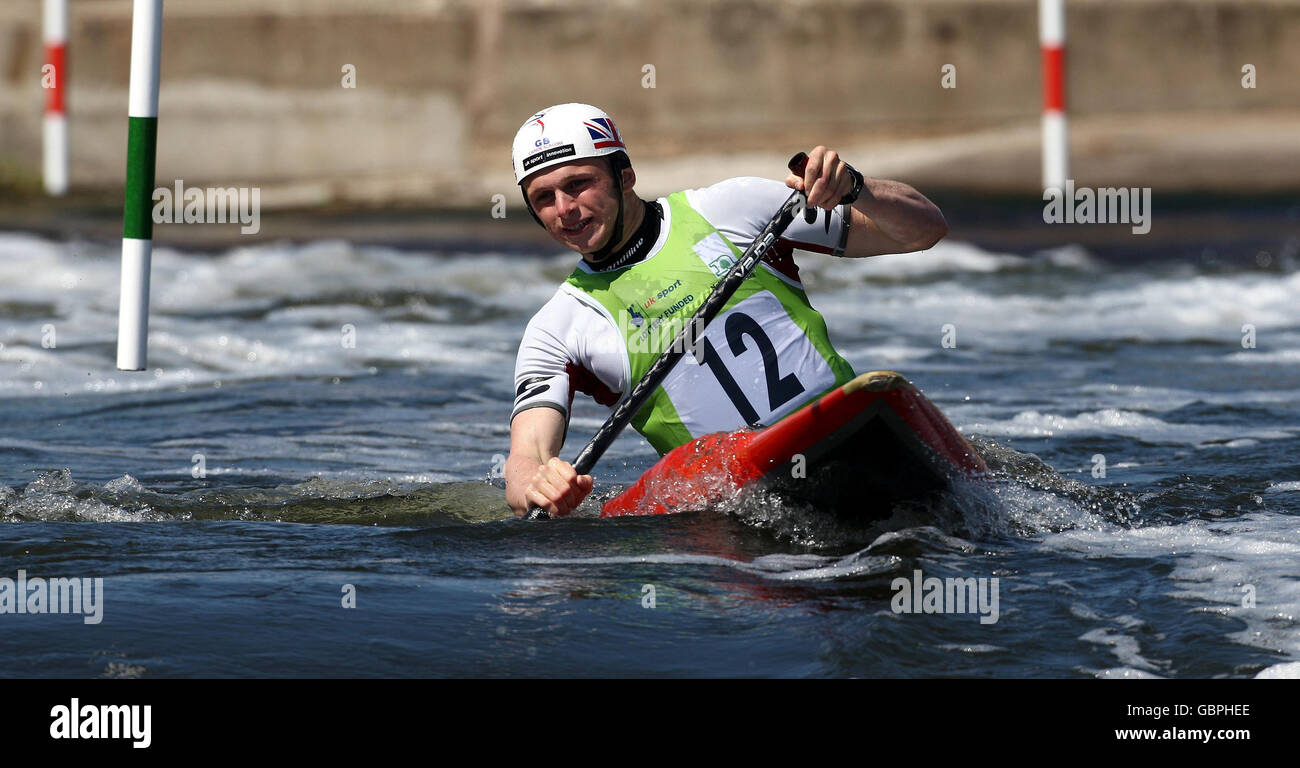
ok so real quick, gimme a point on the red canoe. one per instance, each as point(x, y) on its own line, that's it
point(875, 438)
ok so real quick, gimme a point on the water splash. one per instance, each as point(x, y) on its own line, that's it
point(56, 496)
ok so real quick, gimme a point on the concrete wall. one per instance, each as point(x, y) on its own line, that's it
point(251, 90)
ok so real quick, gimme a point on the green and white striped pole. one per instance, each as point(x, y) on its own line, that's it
point(137, 222)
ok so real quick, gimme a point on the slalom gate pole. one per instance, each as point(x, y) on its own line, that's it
point(141, 146)
point(54, 139)
point(1056, 140)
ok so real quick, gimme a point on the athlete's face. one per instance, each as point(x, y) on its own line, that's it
point(576, 203)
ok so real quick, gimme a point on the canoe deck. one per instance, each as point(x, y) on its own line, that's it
point(858, 450)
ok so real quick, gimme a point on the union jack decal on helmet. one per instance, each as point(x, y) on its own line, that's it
point(603, 133)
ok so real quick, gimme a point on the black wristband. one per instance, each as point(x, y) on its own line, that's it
point(858, 182)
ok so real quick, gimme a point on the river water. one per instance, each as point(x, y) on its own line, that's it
point(323, 426)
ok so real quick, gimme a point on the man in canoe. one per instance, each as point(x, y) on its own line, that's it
point(646, 267)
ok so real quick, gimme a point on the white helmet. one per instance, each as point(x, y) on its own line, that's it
point(562, 133)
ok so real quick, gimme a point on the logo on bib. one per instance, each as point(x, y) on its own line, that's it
point(716, 254)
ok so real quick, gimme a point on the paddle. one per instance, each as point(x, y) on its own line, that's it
point(722, 291)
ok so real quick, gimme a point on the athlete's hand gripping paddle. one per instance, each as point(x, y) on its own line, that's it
point(694, 329)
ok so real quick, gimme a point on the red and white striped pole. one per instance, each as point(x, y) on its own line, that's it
point(56, 127)
point(1056, 140)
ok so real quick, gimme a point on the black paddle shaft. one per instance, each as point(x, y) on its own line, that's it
point(690, 332)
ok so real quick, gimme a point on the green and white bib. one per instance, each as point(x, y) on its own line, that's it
point(763, 357)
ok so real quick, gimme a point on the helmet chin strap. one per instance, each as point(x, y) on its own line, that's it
point(616, 236)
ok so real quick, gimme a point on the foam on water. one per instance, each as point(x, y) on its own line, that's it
point(1242, 568)
point(1111, 421)
point(1287, 671)
point(1139, 397)
point(279, 309)
point(1260, 357)
point(997, 312)
point(945, 258)
point(258, 312)
point(973, 648)
point(785, 568)
point(1125, 673)
point(1125, 648)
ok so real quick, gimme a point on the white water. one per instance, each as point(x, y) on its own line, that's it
point(1243, 568)
point(222, 318)
point(277, 312)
